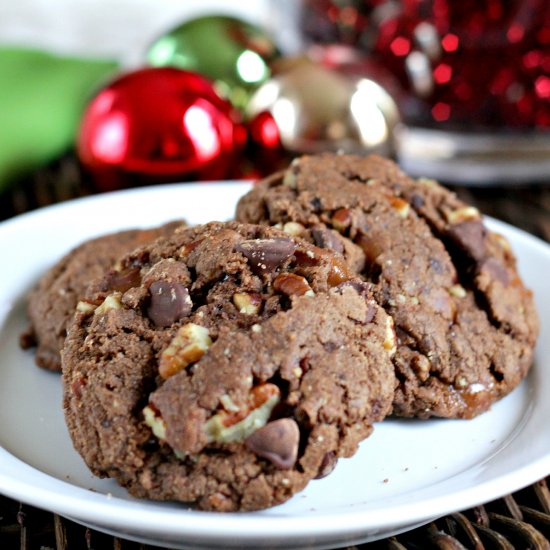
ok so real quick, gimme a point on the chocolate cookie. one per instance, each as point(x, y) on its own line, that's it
point(465, 323)
point(226, 365)
point(51, 304)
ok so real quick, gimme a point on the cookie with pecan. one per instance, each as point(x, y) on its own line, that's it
point(239, 364)
point(466, 325)
point(51, 303)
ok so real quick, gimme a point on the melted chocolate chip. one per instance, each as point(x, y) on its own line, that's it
point(496, 270)
point(169, 302)
point(277, 441)
point(470, 237)
point(316, 204)
point(327, 465)
point(417, 201)
point(325, 238)
point(265, 255)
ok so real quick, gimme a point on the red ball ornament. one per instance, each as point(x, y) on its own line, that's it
point(265, 149)
point(264, 132)
point(158, 125)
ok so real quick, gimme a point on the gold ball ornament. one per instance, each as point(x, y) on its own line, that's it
point(320, 109)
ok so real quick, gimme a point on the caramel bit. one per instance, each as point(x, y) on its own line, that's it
point(123, 280)
point(77, 385)
point(188, 346)
point(341, 219)
point(402, 207)
point(249, 303)
point(371, 246)
point(339, 271)
point(292, 285)
point(186, 249)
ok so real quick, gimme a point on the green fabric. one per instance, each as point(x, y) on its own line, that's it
point(42, 97)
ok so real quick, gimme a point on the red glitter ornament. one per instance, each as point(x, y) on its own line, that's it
point(479, 64)
point(158, 125)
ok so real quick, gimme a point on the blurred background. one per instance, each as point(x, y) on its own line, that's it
point(107, 95)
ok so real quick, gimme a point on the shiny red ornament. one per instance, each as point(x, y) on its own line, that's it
point(264, 132)
point(158, 125)
point(264, 150)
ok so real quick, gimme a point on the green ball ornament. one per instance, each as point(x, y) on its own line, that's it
point(42, 96)
point(234, 54)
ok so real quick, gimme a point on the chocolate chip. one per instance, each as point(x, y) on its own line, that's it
point(362, 288)
point(470, 237)
point(417, 201)
point(316, 204)
point(169, 302)
point(495, 270)
point(265, 255)
point(277, 441)
point(325, 238)
point(327, 465)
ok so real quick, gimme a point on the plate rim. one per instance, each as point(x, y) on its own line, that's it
point(199, 523)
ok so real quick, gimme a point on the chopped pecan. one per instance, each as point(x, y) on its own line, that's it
point(237, 423)
point(188, 346)
point(292, 285)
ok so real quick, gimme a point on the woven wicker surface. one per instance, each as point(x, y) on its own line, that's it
point(521, 520)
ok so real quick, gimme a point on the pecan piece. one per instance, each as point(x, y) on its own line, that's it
point(188, 346)
point(237, 423)
point(341, 219)
point(248, 303)
point(111, 302)
point(292, 285)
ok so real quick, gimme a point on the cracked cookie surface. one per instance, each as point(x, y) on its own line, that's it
point(466, 324)
point(227, 366)
point(51, 304)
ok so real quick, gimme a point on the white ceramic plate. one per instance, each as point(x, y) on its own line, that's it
point(407, 473)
